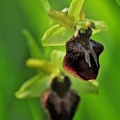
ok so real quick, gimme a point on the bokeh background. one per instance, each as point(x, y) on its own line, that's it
point(18, 14)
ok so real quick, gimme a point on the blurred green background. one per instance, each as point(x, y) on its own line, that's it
point(18, 14)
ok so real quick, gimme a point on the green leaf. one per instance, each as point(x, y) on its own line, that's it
point(37, 110)
point(32, 44)
point(82, 86)
point(4, 75)
point(118, 1)
point(45, 5)
point(34, 87)
point(57, 36)
point(62, 18)
point(75, 8)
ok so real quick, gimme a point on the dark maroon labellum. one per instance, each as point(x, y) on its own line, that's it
point(61, 101)
point(82, 55)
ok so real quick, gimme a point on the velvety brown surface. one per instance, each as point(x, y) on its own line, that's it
point(82, 56)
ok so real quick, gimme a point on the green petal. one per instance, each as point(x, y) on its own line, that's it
point(57, 36)
point(75, 8)
point(62, 18)
point(34, 87)
point(45, 5)
point(32, 44)
point(42, 65)
point(82, 86)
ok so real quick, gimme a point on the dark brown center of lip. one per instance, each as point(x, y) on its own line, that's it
point(82, 56)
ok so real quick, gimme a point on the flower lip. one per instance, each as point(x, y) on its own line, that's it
point(82, 56)
point(61, 107)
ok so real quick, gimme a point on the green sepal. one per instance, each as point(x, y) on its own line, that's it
point(34, 87)
point(32, 44)
point(75, 8)
point(62, 18)
point(57, 36)
point(83, 87)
